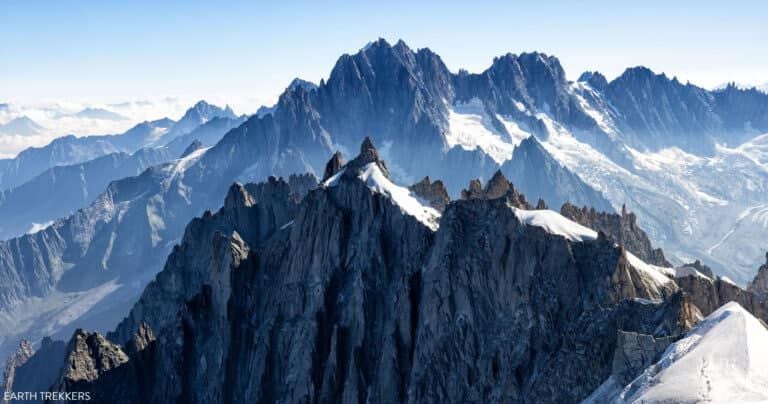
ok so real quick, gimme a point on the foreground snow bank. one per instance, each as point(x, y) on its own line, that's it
point(723, 360)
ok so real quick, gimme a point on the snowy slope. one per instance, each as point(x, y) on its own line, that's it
point(470, 127)
point(696, 207)
point(655, 278)
point(554, 223)
point(410, 204)
point(723, 360)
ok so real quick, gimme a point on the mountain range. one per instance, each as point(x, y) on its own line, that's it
point(690, 163)
point(356, 290)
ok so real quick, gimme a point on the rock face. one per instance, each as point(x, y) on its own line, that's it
point(634, 353)
point(353, 299)
point(432, 192)
point(710, 294)
point(759, 285)
point(41, 370)
point(497, 187)
point(17, 360)
point(406, 100)
point(211, 244)
point(89, 356)
point(537, 174)
point(621, 228)
point(333, 166)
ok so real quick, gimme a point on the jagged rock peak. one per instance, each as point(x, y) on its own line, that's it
point(88, 356)
point(238, 196)
point(333, 165)
point(18, 359)
point(498, 187)
point(541, 204)
point(298, 83)
point(474, 190)
point(595, 79)
point(368, 154)
point(141, 340)
point(620, 228)
point(433, 192)
point(759, 284)
point(193, 147)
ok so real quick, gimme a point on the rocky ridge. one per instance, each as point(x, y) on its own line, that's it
point(621, 228)
point(310, 294)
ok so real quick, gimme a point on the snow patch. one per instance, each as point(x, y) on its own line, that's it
point(554, 223)
point(682, 272)
point(402, 197)
point(470, 127)
point(728, 280)
point(411, 205)
point(36, 227)
point(656, 274)
point(334, 179)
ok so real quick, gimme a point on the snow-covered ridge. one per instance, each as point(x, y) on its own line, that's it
point(555, 223)
point(411, 205)
point(723, 360)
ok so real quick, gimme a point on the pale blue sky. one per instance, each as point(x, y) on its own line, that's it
point(104, 51)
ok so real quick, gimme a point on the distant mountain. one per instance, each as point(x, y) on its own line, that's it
point(584, 142)
point(30, 206)
point(208, 134)
point(534, 170)
point(70, 149)
point(745, 86)
point(22, 126)
point(100, 113)
point(195, 116)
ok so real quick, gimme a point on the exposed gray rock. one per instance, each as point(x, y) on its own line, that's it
point(621, 228)
point(709, 294)
point(333, 166)
point(497, 187)
point(635, 352)
point(354, 301)
point(30, 206)
point(759, 285)
point(251, 214)
point(89, 355)
point(17, 360)
point(40, 371)
point(433, 192)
